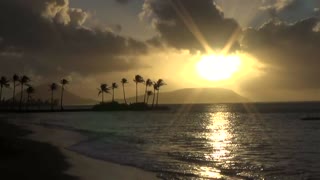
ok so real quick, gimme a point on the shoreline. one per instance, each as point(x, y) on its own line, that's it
point(86, 168)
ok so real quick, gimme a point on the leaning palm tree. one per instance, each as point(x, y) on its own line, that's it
point(149, 93)
point(15, 79)
point(4, 83)
point(30, 90)
point(114, 86)
point(149, 83)
point(159, 83)
point(23, 81)
point(63, 83)
point(103, 89)
point(123, 82)
point(155, 89)
point(138, 79)
point(53, 87)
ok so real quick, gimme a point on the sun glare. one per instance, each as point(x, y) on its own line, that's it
point(217, 68)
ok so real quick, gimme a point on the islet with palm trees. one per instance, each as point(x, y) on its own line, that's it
point(27, 104)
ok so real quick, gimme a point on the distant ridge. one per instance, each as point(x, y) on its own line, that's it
point(197, 96)
point(43, 92)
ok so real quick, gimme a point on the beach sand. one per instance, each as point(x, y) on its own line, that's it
point(81, 166)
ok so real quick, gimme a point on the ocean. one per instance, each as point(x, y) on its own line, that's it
point(219, 141)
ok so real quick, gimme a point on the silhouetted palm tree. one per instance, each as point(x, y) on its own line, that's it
point(63, 83)
point(103, 89)
point(53, 87)
point(4, 83)
point(30, 90)
point(114, 86)
point(23, 81)
point(138, 79)
point(149, 93)
point(123, 82)
point(15, 79)
point(155, 88)
point(159, 83)
point(149, 83)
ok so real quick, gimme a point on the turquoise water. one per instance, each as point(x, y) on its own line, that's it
point(223, 141)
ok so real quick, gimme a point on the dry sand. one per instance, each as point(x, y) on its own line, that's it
point(84, 167)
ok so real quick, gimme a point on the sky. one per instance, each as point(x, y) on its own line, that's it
point(99, 41)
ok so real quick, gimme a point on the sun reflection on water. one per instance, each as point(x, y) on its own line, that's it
point(218, 138)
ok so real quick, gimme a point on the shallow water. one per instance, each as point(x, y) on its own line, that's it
point(224, 141)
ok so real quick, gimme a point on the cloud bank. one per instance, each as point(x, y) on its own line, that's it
point(47, 37)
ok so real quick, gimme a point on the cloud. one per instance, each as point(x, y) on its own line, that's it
point(48, 38)
point(290, 53)
point(122, 1)
point(189, 24)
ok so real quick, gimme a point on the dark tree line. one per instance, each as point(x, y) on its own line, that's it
point(104, 88)
point(26, 87)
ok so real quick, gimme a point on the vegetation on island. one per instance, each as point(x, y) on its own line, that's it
point(23, 100)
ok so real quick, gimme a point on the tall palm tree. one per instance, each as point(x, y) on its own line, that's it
point(53, 87)
point(4, 83)
point(159, 83)
point(149, 83)
point(149, 93)
point(63, 83)
point(114, 86)
point(123, 82)
point(155, 88)
point(103, 89)
point(138, 79)
point(30, 90)
point(15, 79)
point(23, 81)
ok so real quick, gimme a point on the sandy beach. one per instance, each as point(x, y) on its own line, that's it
point(84, 167)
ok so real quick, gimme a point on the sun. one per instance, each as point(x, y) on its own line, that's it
point(218, 67)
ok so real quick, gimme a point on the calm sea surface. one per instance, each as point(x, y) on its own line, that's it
point(223, 141)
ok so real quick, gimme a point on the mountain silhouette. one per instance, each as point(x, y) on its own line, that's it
point(43, 92)
point(198, 96)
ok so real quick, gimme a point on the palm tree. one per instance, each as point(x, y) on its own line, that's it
point(155, 88)
point(123, 82)
point(138, 79)
point(30, 90)
point(63, 83)
point(4, 82)
point(15, 79)
point(149, 93)
point(114, 86)
point(159, 83)
point(53, 87)
point(149, 83)
point(103, 89)
point(23, 81)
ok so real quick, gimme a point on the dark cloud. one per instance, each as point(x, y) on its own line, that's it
point(189, 24)
point(290, 53)
point(122, 1)
point(48, 37)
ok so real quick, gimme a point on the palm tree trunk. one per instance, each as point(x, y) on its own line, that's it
point(102, 97)
point(158, 98)
point(124, 94)
point(21, 96)
point(145, 94)
point(112, 94)
point(51, 100)
point(154, 94)
point(27, 105)
point(136, 92)
point(14, 92)
point(148, 99)
point(1, 94)
point(61, 100)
